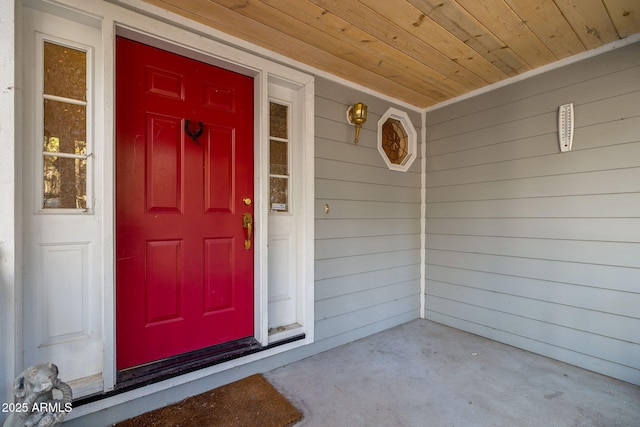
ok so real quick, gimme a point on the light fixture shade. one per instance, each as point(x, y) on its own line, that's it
point(357, 115)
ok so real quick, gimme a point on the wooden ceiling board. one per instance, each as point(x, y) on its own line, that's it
point(329, 32)
point(232, 23)
point(459, 23)
point(419, 25)
point(507, 26)
point(420, 52)
point(347, 48)
point(625, 16)
point(545, 20)
point(381, 28)
point(590, 20)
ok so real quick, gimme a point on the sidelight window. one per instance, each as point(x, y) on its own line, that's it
point(64, 126)
point(279, 154)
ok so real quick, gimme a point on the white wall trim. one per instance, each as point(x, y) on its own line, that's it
point(423, 213)
point(108, 212)
point(540, 70)
point(10, 211)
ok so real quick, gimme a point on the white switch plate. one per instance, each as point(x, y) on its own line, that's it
point(565, 127)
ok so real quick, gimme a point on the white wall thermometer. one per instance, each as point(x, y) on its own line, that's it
point(565, 127)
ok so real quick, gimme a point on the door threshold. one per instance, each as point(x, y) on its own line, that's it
point(153, 372)
point(183, 363)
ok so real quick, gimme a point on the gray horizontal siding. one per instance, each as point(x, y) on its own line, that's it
point(584, 229)
point(331, 287)
point(586, 161)
point(403, 309)
point(575, 206)
point(603, 71)
point(332, 189)
point(367, 249)
point(530, 246)
point(593, 275)
point(598, 299)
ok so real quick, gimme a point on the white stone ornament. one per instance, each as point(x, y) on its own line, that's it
point(34, 404)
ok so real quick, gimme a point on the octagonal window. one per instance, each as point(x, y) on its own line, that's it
point(397, 140)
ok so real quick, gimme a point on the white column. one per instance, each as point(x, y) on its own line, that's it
point(9, 207)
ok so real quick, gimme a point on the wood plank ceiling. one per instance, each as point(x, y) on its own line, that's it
point(419, 51)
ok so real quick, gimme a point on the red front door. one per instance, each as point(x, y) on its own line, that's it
point(184, 181)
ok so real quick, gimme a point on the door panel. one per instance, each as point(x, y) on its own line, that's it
point(218, 168)
point(218, 291)
point(163, 282)
point(184, 279)
point(164, 163)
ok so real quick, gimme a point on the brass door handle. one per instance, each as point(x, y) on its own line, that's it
point(247, 223)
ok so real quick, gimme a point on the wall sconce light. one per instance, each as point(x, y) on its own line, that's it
point(357, 115)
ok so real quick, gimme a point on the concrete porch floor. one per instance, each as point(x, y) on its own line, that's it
point(426, 374)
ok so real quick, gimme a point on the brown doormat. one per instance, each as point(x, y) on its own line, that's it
point(252, 401)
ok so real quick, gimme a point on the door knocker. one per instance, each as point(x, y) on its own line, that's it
point(193, 135)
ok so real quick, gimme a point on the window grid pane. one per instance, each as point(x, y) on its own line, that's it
point(279, 193)
point(65, 128)
point(65, 72)
point(278, 124)
point(65, 183)
point(278, 153)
